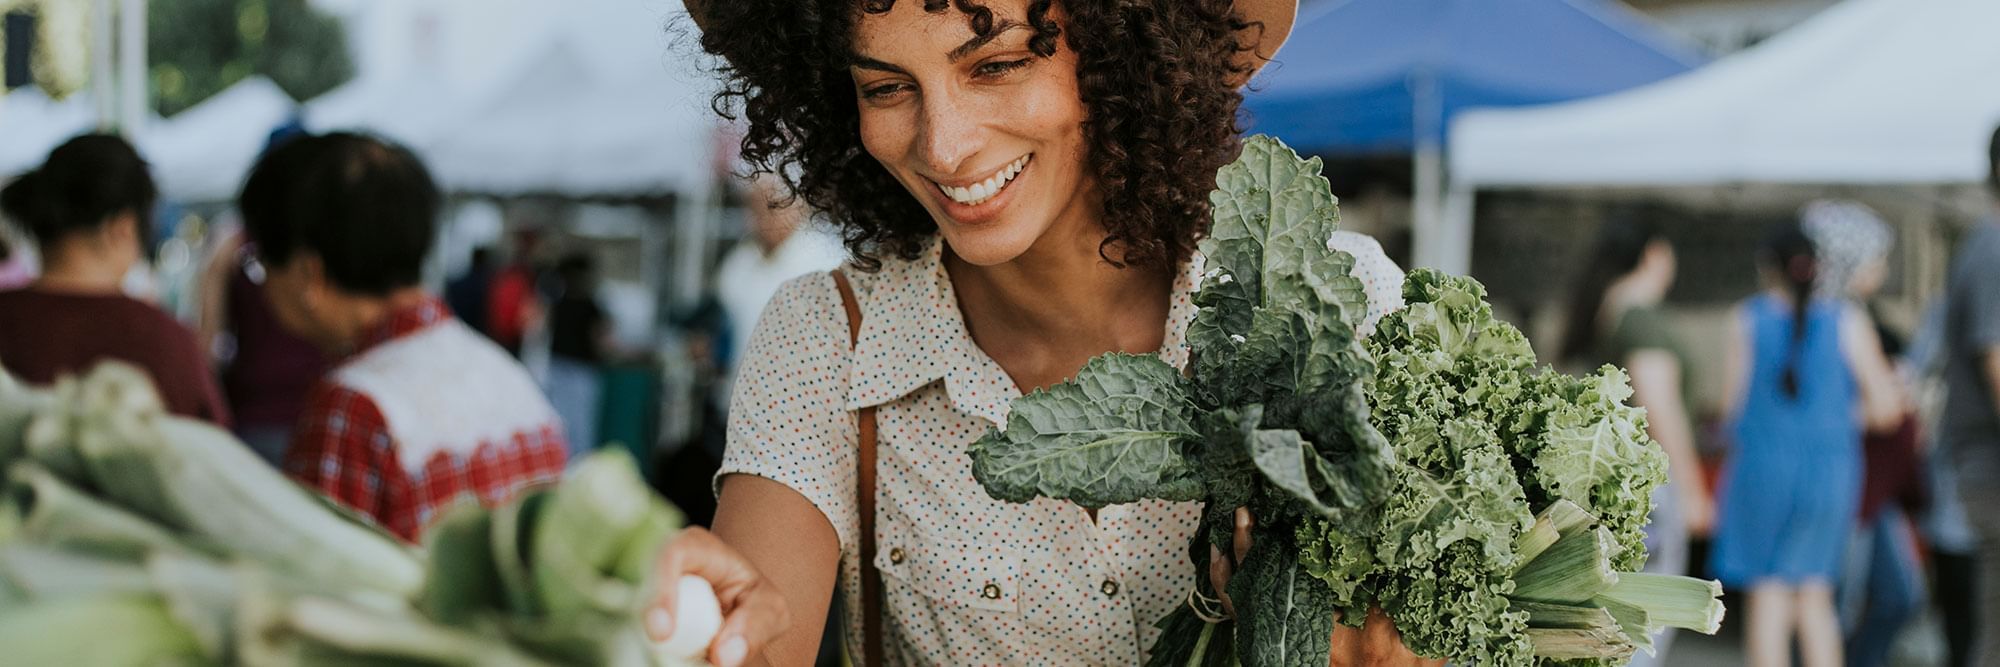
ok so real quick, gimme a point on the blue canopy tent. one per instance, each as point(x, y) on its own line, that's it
point(1385, 76)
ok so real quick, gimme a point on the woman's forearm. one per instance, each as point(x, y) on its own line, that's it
point(793, 546)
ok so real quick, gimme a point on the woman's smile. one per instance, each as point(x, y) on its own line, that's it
point(975, 201)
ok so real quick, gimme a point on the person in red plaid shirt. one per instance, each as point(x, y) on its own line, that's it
point(418, 410)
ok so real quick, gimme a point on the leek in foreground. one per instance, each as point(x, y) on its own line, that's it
point(132, 537)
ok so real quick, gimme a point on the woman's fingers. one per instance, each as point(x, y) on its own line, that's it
point(756, 615)
point(1219, 571)
point(1376, 643)
point(1244, 522)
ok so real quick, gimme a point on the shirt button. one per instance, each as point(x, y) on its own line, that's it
point(896, 556)
point(1110, 588)
point(991, 592)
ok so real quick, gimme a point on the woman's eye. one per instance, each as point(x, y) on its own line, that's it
point(998, 68)
point(883, 91)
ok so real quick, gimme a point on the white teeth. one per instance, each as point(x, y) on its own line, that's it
point(980, 192)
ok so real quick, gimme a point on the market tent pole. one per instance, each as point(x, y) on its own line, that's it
point(103, 89)
point(1430, 243)
point(132, 98)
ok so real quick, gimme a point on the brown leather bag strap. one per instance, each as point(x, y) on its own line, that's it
point(871, 580)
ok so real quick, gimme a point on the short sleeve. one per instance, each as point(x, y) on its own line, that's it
point(788, 417)
point(1380, 278)
point(1642, 329)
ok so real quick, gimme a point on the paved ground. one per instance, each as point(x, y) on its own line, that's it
point(1921, 646)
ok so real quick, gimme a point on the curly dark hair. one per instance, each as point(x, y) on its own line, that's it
point(1158, 78)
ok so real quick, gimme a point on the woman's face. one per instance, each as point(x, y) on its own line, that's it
point(984, 132)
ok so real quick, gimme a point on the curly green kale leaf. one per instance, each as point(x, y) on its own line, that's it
point(1117, 433)
point(1594, 452)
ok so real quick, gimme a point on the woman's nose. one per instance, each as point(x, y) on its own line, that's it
point(949, 135)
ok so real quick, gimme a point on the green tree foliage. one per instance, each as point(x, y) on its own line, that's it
point(200, 47)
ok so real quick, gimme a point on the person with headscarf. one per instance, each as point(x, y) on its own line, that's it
point(1883, 587)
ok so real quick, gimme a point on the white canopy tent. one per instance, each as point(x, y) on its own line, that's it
point(612, 104)
point(203, 153)
point(1867, 92)
point(33, 125)
point(408, 109)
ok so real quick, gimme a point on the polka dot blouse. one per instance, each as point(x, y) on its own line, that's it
point(967, 580)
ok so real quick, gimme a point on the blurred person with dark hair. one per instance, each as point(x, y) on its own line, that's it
point(579, 341)
point(468, 293)
point(1797, 367)
point(1615, 318)
point(419, 411)
point(1970, 423)
point(266, 370)
point(89, 209)
point(1883, 587)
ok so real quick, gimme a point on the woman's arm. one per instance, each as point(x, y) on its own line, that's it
point(791, 543)
point(1882, 402)
point(1656, 383)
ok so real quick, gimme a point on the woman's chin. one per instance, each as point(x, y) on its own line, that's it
point(988, 245)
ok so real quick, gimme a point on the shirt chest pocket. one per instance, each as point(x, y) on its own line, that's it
point(949, 573)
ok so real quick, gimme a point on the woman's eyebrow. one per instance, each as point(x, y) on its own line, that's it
point(973, 44)
point(865, 62)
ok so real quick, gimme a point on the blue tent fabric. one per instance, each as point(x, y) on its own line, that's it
point(1355, 73)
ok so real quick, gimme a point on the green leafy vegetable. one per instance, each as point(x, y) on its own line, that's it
point(1489, 505)
point(1271, 416)
point(1459, 560)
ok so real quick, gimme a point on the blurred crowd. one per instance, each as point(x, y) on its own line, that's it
point(315, 338)
point(1861, 461)
point(1855, 493)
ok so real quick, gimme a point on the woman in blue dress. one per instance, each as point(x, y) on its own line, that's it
point(1803, 384)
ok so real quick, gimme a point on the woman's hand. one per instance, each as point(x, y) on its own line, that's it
point(753, 612)
point(1374, 644)
point(1697, 511)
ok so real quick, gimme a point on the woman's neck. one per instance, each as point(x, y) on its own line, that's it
point(1041, 316)
point(66, 271)
point(1067, 290)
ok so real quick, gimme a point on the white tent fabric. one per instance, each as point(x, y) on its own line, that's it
point(1867, 92)
point(612, 104)
point(408, 109)
point(32, 125)
point(203, 153)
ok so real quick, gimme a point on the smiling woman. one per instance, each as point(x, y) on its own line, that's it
point(884, 105)
point(1022, 184)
